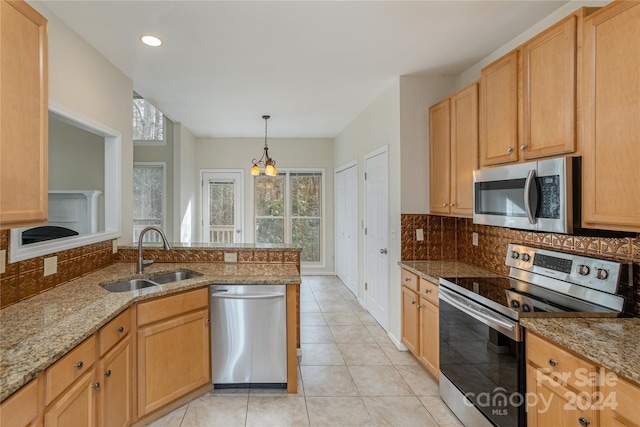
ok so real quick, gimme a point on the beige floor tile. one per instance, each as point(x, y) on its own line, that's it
point(335, 307)
point(337, 411)
point(379, 381)
point(439, 411)
point(363, 354)
point(277, 411)
point(211, 410)
point(420, 380)
point(328, 381)
point(309, 307)
point(321, 354)
point(172, 419)
point(342, 319)
point(351, 334)
point(316, 335)
point(398, 357)
point(230, 391)
point(312, 319)
point(378, 333)
point(398, 411)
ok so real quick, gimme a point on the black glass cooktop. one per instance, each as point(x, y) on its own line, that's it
point(491, 288)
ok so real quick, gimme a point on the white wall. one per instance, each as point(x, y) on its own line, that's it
point(237, 153)
point(376, 126)
point(185, 179)
point(82, 80)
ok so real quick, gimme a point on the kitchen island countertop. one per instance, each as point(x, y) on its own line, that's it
point(37, 332)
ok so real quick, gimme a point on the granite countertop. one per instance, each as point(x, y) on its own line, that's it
point(609, 342)
point(37, 332)
point(434, 270)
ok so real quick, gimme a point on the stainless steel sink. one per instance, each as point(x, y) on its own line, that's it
point(128, 285)
point(158, 279)
point(174, 276)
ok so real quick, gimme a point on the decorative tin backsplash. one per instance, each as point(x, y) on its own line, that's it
point(452, 238)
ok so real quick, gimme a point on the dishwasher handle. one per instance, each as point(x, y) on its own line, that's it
point(247, 296)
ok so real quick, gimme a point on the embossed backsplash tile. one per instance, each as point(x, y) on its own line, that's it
point(452, 238)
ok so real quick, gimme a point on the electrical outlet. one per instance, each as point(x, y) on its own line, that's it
point(230, 257)
point(419, 234)
point(50, 266)
point(114, 246)
point(475, 239)
point(3, 261)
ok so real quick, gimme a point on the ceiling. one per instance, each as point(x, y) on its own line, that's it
point(312, 65)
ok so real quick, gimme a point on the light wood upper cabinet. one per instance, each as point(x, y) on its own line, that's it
point(499, 139)
point(549, 91)
point(23, 117)
point(611, 135)
point(453, 152)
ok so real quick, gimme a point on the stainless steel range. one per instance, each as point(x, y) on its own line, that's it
point(482, 359)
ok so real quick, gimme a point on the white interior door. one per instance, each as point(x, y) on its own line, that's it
point(222, 207)
point(346, 220)
point(377, 235)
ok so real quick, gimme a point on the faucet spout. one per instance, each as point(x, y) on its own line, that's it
point(141, 261)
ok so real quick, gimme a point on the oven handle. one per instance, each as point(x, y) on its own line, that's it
point(527, 191)
point(467, 307)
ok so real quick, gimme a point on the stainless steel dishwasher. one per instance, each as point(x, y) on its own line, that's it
point(248, 336)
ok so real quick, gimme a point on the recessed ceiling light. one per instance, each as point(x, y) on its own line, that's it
point(150, 40)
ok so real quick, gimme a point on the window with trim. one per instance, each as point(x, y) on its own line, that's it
point(148, 199)
point(288, 209)
point(148, 123)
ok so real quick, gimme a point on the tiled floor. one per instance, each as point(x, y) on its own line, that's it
point(350, 374)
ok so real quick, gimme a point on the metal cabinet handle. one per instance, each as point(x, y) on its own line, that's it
point(523, 147)
point(413, 302)
point(584, 422)
point(107, 373)
point(207, 321)
point(444, 205)
point(509, 149)
point(452, 204)
point(419, 306)
point(407, 279)
point(78, 365)
point(553, 362)
point(426, 291)
point(95, 386)
point(120, 329)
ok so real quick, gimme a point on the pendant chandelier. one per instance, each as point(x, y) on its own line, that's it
point(265, 161)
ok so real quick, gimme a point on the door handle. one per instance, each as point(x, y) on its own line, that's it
point(383, 251)
point(527, 191)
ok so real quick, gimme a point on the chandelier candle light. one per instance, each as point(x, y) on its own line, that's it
point(266, 161)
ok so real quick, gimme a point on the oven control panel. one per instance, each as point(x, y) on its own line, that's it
point(590, 272)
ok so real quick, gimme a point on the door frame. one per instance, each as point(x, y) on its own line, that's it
point(234, 174)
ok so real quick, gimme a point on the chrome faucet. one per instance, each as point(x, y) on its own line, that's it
point(142, 263)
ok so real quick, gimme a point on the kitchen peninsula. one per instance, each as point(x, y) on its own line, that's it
point(39, 331)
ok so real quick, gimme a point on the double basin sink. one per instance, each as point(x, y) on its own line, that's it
point(159, 279)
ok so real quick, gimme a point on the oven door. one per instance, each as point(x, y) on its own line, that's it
point(482, 363)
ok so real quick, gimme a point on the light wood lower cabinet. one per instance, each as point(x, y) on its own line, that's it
point(429, 336)
point(23, 408)
point(114, 399)
point(410, 320)
point(620, 402)
point(76, 406)
point(173, 352)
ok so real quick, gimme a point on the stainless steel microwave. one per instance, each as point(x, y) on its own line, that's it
point(536, 196)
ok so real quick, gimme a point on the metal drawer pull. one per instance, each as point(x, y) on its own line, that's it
point(107, 373)
point(413, 302)
point(553, 362)
point(120, 329)
point(509, 149)
point(95, 386)
point(426, 291)
point(584, 422)
point(407, 279)
point(78, 365)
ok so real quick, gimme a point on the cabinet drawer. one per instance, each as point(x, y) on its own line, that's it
point(561, 365)
point(429, 290)
point(114, 331)
point(66, 370)
point(164, 308)
point(410, 280)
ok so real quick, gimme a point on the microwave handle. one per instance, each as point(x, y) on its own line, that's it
point(527, 191)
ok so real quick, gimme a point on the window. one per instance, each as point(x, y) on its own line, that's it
point(148, 122)
point(288, 209)
point(148, 198)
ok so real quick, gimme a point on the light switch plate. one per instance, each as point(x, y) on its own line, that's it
point(419, 234)
point(114, 247)
point(475, 239)
point(230, 257)
point(50, 266)
point(3, 261)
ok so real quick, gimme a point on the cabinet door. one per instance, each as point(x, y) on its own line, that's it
point(173, 359)
point(22, 409)
point(23, 118)
point(619, 402)
point(429, 337)
point(464, 149)
point(439, 157)
point(549, 91)
point(76, 407)
point(410, 320)
point(499, 111)
point(114, 373)
point(611, 176)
